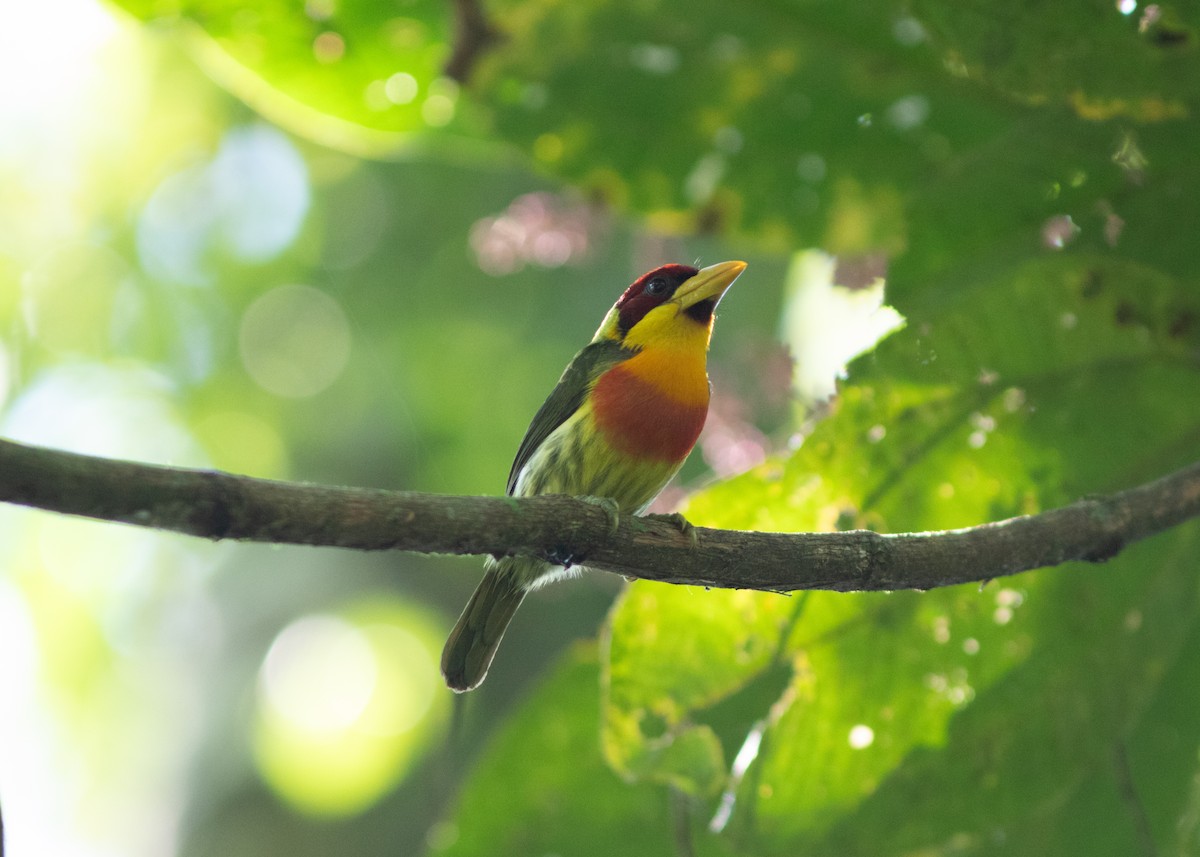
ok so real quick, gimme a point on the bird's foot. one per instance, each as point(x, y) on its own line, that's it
point(610, 507)
point(560, 555)
point(681, 523)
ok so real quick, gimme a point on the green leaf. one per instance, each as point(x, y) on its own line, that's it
point(750, 119)
point(653, 690)
point(364, 76)
point(873, 128)
point(1068, 57)
point(543, 788)
point(1057, 757)
point(1062, 376)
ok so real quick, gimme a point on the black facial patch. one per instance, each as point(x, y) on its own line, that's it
point(702, 311)
point(651, 290)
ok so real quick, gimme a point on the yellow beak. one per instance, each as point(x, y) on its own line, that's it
point(709, 284)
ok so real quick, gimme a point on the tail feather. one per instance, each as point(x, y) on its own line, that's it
point(473, 642)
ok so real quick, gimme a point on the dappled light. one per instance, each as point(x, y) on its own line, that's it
point(81, 639)
point(74, 91)
point(46, 53)
point(826, 325)
point(114, 410)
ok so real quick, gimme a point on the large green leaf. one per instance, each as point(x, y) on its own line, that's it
point(1044, 760)
point(654, 689)
point(790, 122)
point(542, 786)
point(1067, 56)
point(1017, 396)
point(364, 76)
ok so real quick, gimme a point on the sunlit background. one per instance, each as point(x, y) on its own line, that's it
point(183, 282)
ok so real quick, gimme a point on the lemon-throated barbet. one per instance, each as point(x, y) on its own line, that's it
point(619, 424)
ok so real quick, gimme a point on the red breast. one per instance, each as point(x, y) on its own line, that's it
point(639, 419)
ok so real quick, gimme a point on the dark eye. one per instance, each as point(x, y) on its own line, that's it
point(657, 287)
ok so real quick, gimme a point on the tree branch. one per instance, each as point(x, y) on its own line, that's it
point(219, 505)
point(473, 35)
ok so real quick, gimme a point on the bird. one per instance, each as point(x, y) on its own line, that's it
point(616, 428)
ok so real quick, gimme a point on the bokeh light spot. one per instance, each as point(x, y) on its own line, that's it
point(811, 167)
point(438, 108)
point(861, 736)
point(320, 10)
point(405, 698)
point(347, 700)
point(537, 228)
point(319, 674)
point(262, 182)
point(375, 96)
point(655, 59)
point(329, 47)
point(295, 341)
point(908, 31)
point(1059, 231)
point(548, 147)
point(908, 112)
point(249, 201)
point(401, 88)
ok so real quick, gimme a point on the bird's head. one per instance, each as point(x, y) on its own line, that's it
point(669, 304)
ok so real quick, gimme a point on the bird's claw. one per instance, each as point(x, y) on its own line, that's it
point(561, 555)
point(610, 507)
point(681, 523)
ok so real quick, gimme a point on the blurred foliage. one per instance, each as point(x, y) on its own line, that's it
point(182, 281)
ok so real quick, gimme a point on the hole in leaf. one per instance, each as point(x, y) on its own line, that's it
point(652, 725)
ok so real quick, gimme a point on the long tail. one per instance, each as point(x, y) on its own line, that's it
point(473, 642)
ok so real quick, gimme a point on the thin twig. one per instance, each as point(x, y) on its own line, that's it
point(473, 34)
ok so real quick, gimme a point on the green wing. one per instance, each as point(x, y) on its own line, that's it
point(567, 396)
